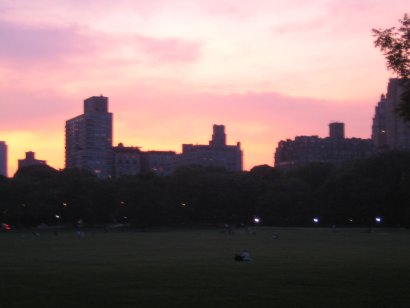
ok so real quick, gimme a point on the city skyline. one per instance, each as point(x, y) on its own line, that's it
point(268, 71)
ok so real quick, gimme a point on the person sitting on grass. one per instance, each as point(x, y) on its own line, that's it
point(243, 256)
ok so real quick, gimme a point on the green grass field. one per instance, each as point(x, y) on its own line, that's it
point(195, 268)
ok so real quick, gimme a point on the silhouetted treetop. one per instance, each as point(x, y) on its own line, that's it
point(395, 46)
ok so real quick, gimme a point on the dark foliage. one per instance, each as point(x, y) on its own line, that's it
point(395, 46)
point(352, 194)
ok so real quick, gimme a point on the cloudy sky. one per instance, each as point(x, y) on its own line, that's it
point(266, 69)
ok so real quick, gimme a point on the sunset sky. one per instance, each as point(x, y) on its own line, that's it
point(266, 69)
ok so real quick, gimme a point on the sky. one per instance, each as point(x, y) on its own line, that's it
point(267, 69)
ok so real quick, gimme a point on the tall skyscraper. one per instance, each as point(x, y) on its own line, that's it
point(3, 158)
point(379, 129)
point(88, 138)
point(389, 129)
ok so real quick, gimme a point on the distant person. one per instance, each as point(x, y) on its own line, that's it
point(80, 234)
point(231, 230)
point(243, 256)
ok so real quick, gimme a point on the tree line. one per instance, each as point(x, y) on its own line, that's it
point(352, 194)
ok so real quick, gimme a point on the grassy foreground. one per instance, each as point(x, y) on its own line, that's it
point(303, 268)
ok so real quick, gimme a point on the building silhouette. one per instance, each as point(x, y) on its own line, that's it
point(88, 146)
point(337, 130)
point(88, 138)
point(334, 149)
point(389, 130)
point(379, 128)
point(127, 160)
point(160, 162)
point(216, 154)
point(3, 158)
point(30, 160)
point(132, 161)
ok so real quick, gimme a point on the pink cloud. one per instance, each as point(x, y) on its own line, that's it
point(331, 16)
point(168, 49)
point(142, 8)
point(245, 10)
point(32, 110)
point(301, 26)
point(363, 15)
point(26, 44)
point(364, 7)
point(29, 45)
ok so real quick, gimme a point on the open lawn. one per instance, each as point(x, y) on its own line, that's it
point(195, 268)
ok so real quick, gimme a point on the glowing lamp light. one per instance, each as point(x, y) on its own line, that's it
point(316, 220)
point(7, 227)
point(378, 219)
point(256, 220)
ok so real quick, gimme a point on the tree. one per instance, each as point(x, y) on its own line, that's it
point(395, 46)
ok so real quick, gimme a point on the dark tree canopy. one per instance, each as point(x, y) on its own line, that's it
point(395, 46)
point(351, 194)
point(36, 172)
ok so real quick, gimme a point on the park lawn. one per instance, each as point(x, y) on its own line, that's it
point(195, 268)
